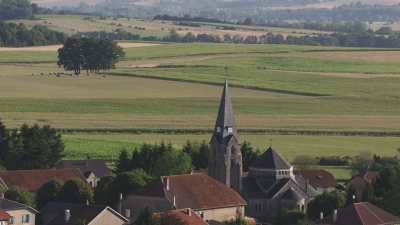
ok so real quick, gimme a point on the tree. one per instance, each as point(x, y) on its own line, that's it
point(198, 153)
point(75, 191)
point(172, 163)
point(291, 217)
point(15, 9)
point(123, 163)
point(48, 192)
point(326, 203)
point(127, 182)
point(146, 217)
point(249, 155)
point(103, 189)
point(33, 148)
point(89, 54)
point(20, 195)
point(4, 143)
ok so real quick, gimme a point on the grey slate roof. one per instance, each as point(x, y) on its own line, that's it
point(97, 166)
point(271, 159)
point(7, 205)
point(225, 117)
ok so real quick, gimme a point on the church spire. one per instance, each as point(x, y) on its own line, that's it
point(225, 124)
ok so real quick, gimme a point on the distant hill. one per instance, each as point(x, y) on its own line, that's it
point(65, 3)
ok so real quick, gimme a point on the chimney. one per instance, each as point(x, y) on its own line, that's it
point(128, 213)
point(67, 215)
point(167, 184)
point(189, 211)
point(120, 204)
point(174, 201)
point(335, 216)
point(87, 203)
point(321, 215)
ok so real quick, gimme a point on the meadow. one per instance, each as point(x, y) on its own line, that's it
point(177, 86)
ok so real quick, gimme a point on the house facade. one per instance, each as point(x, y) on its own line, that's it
point(19, 214)
point(195, 191)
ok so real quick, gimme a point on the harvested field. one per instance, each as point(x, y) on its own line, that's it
point(369, 56)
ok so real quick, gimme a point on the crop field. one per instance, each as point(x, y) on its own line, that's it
point(71, 24)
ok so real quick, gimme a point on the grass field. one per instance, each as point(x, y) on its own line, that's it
point(352, 91)
point(108, 146)
point(71, 24)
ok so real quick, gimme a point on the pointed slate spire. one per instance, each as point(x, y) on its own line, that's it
point(225, 124)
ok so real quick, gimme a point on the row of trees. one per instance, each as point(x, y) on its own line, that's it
point(89, 54)
point(30, 147)
point(15, 9)
point(18, 35)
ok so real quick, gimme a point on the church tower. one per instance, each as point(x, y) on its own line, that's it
point(225, 159)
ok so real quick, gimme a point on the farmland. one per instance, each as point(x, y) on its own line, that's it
point(177, 86)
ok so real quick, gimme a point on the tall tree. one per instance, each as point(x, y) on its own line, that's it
point(20, 195)
point(48, 192)
point(75, 191)
point(15, 9)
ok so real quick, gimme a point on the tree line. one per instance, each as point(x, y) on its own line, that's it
point(18, 35)
point(90, 54)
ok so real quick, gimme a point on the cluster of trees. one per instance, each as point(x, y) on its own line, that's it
point(15, 9)
point(72, 191)
point(118, 34)
point(30, 147)
point(18, 35)
point(363, 39)
point(89, 54)
point(336, 26)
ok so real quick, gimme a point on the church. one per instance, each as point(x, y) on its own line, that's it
point(269, 185)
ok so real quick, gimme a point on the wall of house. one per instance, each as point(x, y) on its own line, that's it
point(136, 204)
point(106, 218)
point(17, 214)
point(221, 214)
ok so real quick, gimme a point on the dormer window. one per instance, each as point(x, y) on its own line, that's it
point(218, 129)
point(230, 130)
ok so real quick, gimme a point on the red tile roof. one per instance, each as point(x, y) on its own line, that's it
point(318, 178)
point(364, 213)
point(4, 216)
point(196, 191)
point(186, 216)
point(32, 180)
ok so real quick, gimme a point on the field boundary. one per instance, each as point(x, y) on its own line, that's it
point(301, 132)
point(273, 90)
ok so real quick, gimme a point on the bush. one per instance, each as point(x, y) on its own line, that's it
point(20, 195)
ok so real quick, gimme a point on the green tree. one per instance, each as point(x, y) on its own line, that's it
point(20, 195)
point(34, 148)
point(326, 203)
point(75, 191)
point(48, 192)
point(289, 217)
point(249, 155)
point(127, 182)
point(123, 163)
point(146, 217)
point(172, 163)
point(198, 153)
point(103, 189)
point(15, 9)
point(70, 55)
point(4, 143)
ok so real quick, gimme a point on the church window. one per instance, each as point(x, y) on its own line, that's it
point(230, 130)
point(218, 129)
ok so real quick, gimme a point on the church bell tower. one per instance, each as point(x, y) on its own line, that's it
point(225, 159)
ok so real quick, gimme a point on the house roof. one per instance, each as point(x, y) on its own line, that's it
point(271, 159)
point(97, 166)
point(364, 213)
point(32, 180)
point(196, 191)
point(79, 212)
point(318, 178)
point(184, 216)
point(4, 216)
point(8, 205)
point(225, 117)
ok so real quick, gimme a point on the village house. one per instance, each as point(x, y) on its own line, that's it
point(32, 180)
point(209, 198)
point(362, 213)
point(360, 183)
point(321, 180)
point(70, 214)
point(270, 184)
point(92, 169)
point(17, 213)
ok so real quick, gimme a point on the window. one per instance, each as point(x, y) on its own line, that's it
point(25, 218)
point(218, 129)
point(12, 220)
point(230, 130)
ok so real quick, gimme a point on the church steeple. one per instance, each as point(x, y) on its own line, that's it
point(225, 160)
point(225, 125)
